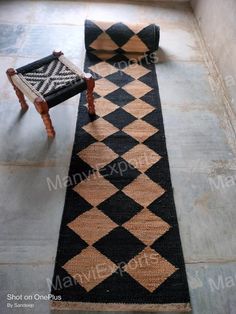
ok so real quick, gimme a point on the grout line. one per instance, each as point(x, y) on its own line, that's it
point(217, 261)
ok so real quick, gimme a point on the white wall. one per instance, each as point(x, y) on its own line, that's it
point(217, 21)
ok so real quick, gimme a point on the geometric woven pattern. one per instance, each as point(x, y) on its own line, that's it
point(50, 77)
point(119, 240)
point(106, 36)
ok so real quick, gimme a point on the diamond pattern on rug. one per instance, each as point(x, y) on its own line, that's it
point(120, 97)
point(104, 107)
point(97, 155)
point(141, 157)
point(84, 225)
point(100, 129)
point(103, 69)
point(119, 118)
point(136, 70)
point(119, 172)
point(119, 208)
point(146, 196)
point(140, 130)
point(104, 40)
point(137, 88)
point(88, 189)
point(138, 108)
point(153, 225)
point(144, 266)
point(84, 268)
point(126, 246)
point(104, 87)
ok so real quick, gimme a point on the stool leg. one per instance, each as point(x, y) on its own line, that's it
point(42, 108)
point(90, 99)
point(20, 95)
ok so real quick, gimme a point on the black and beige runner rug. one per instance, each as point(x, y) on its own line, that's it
point(119, 245)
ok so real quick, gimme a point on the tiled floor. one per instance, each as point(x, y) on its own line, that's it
point(201, 145)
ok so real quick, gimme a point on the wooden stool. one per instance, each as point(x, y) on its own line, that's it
point(48, 82)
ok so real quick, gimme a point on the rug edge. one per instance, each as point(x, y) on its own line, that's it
point(87, 306)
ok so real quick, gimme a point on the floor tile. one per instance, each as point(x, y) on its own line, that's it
point(11, 37)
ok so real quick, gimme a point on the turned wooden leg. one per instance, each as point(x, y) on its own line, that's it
point(42, 108)
point(20, 95)
point(90, 99)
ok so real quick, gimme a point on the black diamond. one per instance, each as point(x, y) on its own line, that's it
point(120, 208)
point(71, 243)
point(92, 34)
point(120, 97)
point(144, 35)
point(75, 205)
point(119, 172)
point(119, 245)
point(120, 78)
point(119, 28)
point(152, 98)
point(79, 171)
point(119, 118)
point(119, 61)
point(120, 142)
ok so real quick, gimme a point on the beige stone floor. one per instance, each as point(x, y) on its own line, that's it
point(200, 141)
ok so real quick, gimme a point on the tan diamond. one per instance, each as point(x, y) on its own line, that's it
point(140, 130)
point(97, 155)
point(100, 129)
point(103, 55)
point(95, 189)
point(90, 267)
point(146, 226)
point(92, 225)
point(104, 87)
point(135, 70)
point(135, 43)
point(143, 190)
point(103, 68)
point(141, 157)
point(104, 106)
point(138, 108)
point(150, 269)
point(137, 88)
point(104, 40)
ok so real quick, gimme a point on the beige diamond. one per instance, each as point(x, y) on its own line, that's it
point(100, 129)
point(103, 55)
point(97, 155)
point(135, 43)
point(150, 269)
point(90, 267)
point(103, 68)
point(92, 225)
point(146, 226)
point(104, 106)
point(135, 70)
point(104, 87)
point(140, 130)
point(95, 189)
point(138, 108)
point(143, 190)
point(104, 40)
point(141, 157)
point(137, 88)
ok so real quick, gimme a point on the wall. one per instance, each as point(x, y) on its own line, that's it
point(217, 21)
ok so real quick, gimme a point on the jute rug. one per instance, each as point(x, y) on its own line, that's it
point(119, 245)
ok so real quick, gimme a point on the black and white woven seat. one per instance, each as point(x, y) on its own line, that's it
point(50, 81)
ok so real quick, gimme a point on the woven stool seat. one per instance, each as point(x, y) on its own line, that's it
point(50, 81)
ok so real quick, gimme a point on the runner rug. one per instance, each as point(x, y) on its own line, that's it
point(119, 246)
